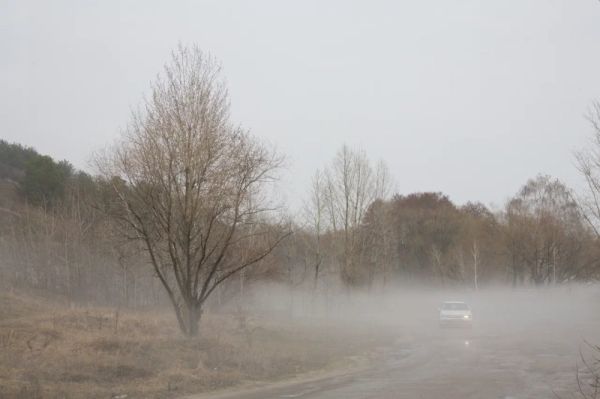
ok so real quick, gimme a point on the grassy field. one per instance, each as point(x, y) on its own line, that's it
point(52, 351)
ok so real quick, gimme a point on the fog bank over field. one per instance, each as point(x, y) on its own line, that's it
point(572, 307)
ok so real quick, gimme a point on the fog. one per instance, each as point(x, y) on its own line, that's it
point(270, 199)
point(524, 342)
point(573, 307)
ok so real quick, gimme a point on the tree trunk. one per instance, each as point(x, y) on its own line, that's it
point(475, 253)
point(188, 317)
point(194, 312)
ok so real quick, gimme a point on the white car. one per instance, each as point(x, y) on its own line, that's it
point(455, 313)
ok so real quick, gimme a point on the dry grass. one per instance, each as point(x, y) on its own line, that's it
point(50, 351)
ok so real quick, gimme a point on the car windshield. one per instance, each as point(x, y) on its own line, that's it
point(455, 306)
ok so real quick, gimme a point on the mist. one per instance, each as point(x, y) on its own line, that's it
point(523, 343)
point(263, 200)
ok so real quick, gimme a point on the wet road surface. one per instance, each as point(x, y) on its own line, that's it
point(523, 345)
point(452, 364)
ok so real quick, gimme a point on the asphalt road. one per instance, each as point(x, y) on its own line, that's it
point(513, 352)
point(451, 364)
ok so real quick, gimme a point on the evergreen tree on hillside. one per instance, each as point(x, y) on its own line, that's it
point(42, 181)
point(13, 159)
point(45, 180)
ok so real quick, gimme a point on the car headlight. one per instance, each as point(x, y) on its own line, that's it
point(467, 316)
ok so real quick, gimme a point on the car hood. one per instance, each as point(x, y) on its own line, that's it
point(455, 312)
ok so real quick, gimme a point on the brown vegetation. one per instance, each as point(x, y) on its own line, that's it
point(50, 351)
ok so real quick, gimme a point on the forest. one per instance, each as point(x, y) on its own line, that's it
point(57, 236)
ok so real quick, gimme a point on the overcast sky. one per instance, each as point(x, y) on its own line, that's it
point(470, 98)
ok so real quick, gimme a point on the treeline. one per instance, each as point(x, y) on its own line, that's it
point(353, 232)
point(539, 237)
point(55, 235)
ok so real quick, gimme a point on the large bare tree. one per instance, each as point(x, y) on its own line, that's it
point(191, 186)
point(549, 236)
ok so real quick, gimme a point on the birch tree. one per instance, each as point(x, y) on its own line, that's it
point(352, 184)
point(547, 228)
point(588, 164)
point(314, 211)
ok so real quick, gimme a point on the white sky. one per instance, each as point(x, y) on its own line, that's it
point(471, 98)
